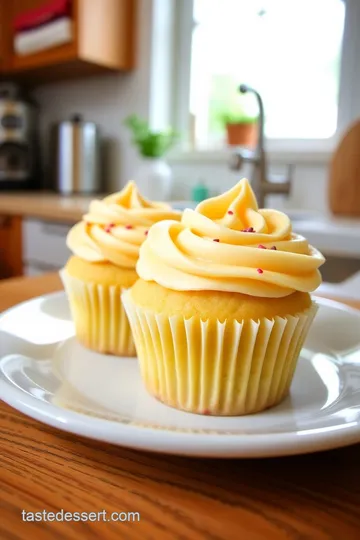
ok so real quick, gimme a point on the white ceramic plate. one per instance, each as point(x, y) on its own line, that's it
point(47, 375)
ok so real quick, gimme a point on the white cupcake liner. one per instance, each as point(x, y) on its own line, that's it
point(213, 367)
point(101, 323)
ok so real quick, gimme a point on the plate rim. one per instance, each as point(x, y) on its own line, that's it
point(319, 299)
point(160, 439)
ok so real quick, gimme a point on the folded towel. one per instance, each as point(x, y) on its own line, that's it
point(49, 35)
point(46, 13)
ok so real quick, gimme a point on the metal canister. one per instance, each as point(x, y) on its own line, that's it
point(77, 156)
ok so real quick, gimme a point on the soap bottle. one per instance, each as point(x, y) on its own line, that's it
point(199, 192)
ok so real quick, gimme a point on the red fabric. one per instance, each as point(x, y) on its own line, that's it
point(51, 10)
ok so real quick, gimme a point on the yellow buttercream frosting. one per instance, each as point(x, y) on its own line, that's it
point(228, 244)
point(114, 228)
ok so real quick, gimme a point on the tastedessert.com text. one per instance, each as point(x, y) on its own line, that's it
point(62, 515)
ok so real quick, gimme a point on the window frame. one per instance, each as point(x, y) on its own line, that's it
point(280, 150)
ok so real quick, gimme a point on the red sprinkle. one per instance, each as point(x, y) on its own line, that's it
point(216, 240)
point(206, 412)
point(109, 227)
point(260, 246)
point(128, 226)
point(146, 233)
point(249, 229)
point(259, 271)
point(231, 213)
point(273, 247)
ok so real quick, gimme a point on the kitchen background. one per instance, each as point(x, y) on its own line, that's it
point(180, 63)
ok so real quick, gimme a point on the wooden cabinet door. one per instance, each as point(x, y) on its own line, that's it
point(5, 37)
point(10, 246)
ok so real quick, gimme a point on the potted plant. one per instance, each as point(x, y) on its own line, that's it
point(154, 176)
point(241, 128)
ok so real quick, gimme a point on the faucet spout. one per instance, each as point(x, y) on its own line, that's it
point(260, 183)
point(244, 89)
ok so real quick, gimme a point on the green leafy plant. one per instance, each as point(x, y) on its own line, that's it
point(237, 117)
point(228, 106)
point(150, 143)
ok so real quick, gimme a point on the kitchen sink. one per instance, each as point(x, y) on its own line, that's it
point(337, 238)
point(303, 215)
point(181, 205)
point(294, 215)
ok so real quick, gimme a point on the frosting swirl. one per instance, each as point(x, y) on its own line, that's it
point(229, 244)
point(114, 228)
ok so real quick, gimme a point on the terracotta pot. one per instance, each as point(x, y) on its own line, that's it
point(242, 134)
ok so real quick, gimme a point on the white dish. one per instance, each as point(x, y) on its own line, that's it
point(47, 375)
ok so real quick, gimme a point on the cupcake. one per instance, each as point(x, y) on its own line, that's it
point(106, 247)
point(222, 306)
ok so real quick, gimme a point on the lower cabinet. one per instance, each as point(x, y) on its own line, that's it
point(10, 247)
point(44, 246)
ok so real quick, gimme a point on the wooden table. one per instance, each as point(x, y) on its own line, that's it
point(306, 497)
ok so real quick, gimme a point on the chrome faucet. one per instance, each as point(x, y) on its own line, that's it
point(260, 183)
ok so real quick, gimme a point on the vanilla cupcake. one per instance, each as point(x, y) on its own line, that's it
point(222, 306)
point(106, 247)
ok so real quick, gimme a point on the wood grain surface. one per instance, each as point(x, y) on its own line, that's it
point(306, 497)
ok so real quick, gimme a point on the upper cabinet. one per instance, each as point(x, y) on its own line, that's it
point(44, 40)
point(4, 36)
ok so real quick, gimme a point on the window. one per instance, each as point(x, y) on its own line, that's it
point(290, 51)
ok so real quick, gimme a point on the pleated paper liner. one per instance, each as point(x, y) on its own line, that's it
point(221, 368)
point(99, 316)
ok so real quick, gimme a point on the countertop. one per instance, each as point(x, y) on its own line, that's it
point(338, 236)
point(45, 205)
point(333, 235)
point(53, 206)
point(309, 497)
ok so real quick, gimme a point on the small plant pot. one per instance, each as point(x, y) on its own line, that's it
point(242, 134)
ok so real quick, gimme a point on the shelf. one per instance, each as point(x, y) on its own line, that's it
point(103, 41)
